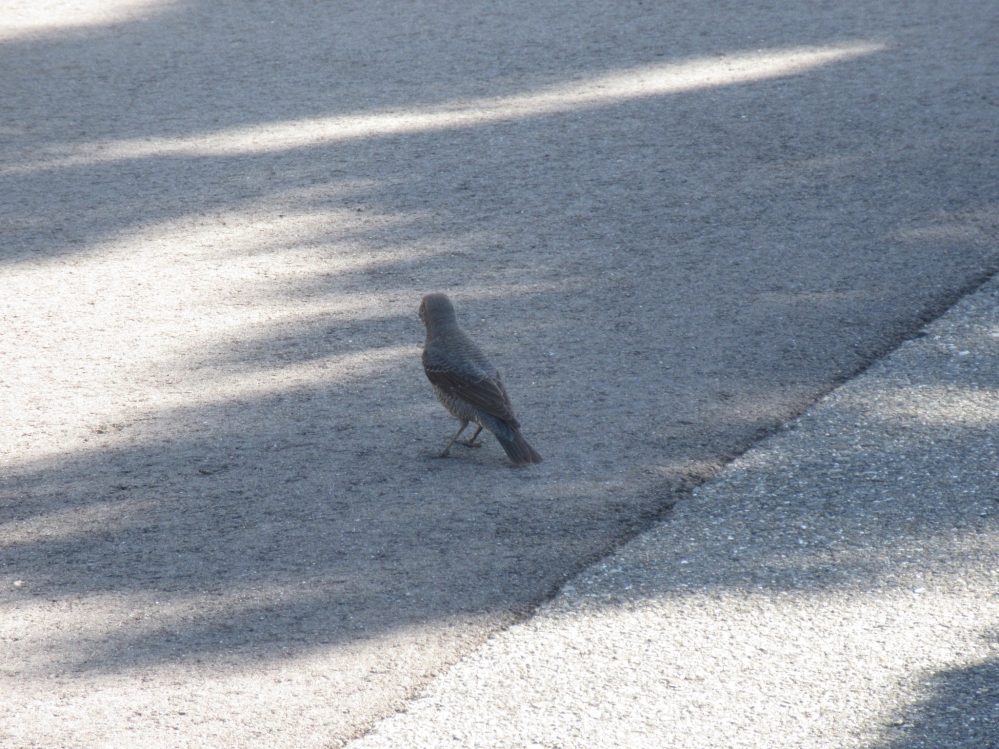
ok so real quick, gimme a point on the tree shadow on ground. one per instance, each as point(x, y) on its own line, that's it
point(961, 710)
point(663, 280)
point(321, 515)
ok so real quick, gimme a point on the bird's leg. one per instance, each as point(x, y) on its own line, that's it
point(464, 423)
point(470, 442)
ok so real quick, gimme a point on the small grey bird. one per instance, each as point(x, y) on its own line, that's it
point(467, 384)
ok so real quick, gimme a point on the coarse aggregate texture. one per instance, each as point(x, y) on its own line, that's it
point(672, 226)
point(836, 586)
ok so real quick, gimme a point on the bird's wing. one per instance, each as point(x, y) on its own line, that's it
point(485, 393)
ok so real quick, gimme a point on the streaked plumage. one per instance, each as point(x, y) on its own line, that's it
point(468, 385)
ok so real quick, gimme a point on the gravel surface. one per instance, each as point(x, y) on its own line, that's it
point(836, 586)
point(672, 227)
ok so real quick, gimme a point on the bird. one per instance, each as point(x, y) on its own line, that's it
point(467, 383)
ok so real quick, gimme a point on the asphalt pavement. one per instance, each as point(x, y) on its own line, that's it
point(672, 226)
point(836, 586)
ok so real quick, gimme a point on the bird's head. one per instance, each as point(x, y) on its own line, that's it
point(436, 308)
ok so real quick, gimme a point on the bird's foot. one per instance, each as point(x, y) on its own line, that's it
point(444, 454)
point(472, 443)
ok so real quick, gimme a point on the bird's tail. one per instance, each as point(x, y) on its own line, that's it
point(517, 449)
